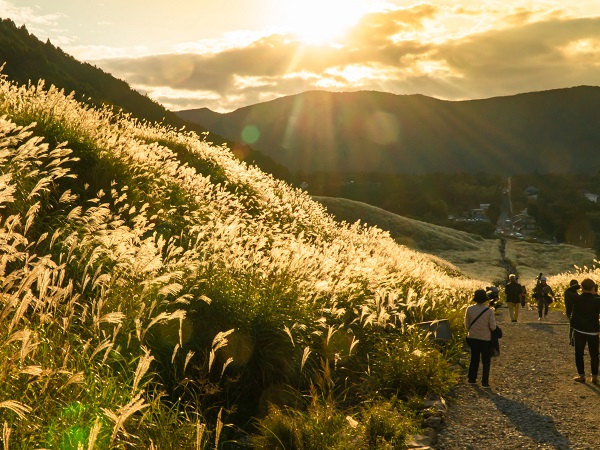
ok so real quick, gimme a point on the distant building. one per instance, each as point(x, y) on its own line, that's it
point(523, 222)
point(479, 215)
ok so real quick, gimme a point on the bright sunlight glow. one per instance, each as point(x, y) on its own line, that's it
point(321, 21)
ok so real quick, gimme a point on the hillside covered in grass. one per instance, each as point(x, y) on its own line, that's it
point(157, 293)
point(471, 254)
point(146, 301)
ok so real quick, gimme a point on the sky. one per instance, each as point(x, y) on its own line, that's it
point(227, 54)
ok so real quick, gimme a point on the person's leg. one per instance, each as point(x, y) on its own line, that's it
point(516, 308)
point(511, 311)
point(546, 305)
point(486, 360)
point(475, 358)
point(579, 348)
point(593, 344)
point(540, 307)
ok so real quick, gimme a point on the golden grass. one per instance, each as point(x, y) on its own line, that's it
point(473, 255)
point(551, 259)
point(84, 304)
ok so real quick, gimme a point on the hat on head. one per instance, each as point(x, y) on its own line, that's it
point(574, 283)
point(480, 296)
point(543, 279)
point(512, 276)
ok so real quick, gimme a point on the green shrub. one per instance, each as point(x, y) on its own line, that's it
point(319, 428)
point(410, 365)
point(387, 424)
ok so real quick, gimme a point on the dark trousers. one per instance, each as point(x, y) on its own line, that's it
point(543, 307)
point(592, 342)
point(480, 351)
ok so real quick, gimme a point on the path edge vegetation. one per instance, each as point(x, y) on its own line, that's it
point(156, 292)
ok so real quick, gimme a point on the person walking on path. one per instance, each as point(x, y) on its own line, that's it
point(569, 296)
point(584, 321)
point(480, 322)
point(513, 291)
point(544, 296)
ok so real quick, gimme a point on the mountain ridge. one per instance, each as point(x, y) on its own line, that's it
point(554, 131)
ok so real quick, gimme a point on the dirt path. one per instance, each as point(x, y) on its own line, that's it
point(534, 402)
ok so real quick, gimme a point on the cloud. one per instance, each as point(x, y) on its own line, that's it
point(454, 53)
point(38, 24)
point(535, 56)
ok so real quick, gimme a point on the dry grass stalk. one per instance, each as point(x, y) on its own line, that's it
point(200, 429)
point(94, 432)
point(218, 429)
point(136, 404)
point(142, 368)
point(18, 408)
point(220, 340)
point(188, 358)
point(6, 435)
point(305, 356)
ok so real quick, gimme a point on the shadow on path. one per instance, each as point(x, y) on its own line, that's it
point(521, 416)
point(546, 327)
point(594, 388)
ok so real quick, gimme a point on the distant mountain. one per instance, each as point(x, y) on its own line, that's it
point(555, 131)
point(26, 58)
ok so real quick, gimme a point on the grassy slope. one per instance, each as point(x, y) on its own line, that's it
point(475, 257)
point(144, 302)
point(532, 258)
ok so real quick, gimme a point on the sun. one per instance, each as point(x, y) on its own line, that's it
point(320, 21)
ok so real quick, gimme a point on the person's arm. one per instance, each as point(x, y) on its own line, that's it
point(492, 320)
point(568, 305)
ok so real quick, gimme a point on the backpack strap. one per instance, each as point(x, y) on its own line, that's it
point(480, 314)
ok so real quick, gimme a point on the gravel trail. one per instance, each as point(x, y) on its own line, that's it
point(534, 402)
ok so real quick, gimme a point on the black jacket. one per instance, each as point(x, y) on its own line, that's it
point(513, 292)
point(586, 310)
point(570, 295)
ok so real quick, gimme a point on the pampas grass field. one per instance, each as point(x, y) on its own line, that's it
point(472, 255)
point(157, 293)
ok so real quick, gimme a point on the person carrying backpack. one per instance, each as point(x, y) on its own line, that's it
point(513, 291)
point(544, 296)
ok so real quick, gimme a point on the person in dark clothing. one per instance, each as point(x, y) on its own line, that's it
point(569, 296)
point(513, 292)
point(523, 296)
point(584, 321)
point(544, 296)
